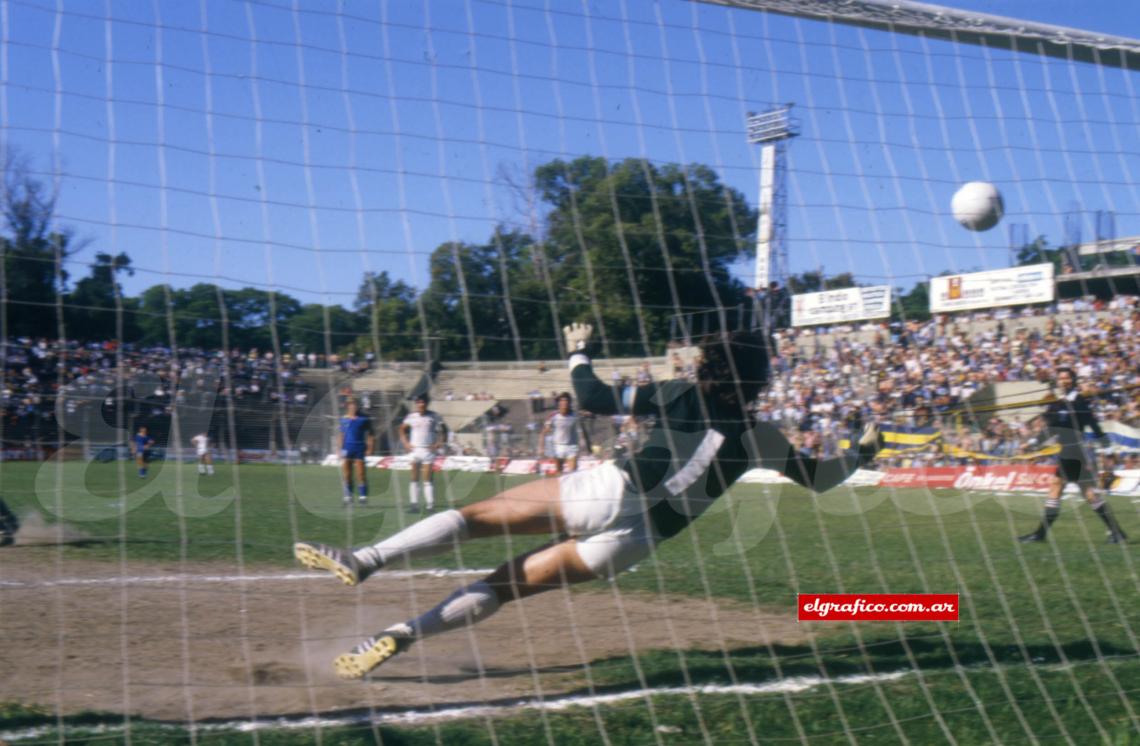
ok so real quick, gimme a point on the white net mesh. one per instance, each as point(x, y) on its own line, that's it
point(227, 224)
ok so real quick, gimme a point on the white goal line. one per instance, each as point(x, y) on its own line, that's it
point(191, 578)
point(791, 685)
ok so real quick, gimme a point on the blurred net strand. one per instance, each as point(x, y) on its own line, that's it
point(745, 569)
point(228, 400)
point(826, 541)
point(668, 75)
point(465, 299)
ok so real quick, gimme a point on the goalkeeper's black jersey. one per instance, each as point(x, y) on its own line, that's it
point(693, 453)
point(1067, 419)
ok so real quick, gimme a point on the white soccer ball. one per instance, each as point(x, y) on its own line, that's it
point(977, 205)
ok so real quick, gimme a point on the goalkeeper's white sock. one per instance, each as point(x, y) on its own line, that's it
point(432, 535)
point(414, 492)
point(429, 495)
point(466, 606)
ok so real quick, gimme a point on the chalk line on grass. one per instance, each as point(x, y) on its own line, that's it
point(192, 578)
point(413, 717)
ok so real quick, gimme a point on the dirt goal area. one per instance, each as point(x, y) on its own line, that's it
point(189, 642)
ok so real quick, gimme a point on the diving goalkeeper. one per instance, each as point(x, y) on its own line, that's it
point(612, 516)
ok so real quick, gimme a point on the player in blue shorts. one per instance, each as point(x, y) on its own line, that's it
point(356, 441)
point(140, 445)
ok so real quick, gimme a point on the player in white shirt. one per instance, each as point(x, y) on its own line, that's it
point(422, 434)
point(201, 443)
point(564, 425)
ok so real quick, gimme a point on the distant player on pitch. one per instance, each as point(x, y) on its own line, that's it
point(564, 425)
point(201, 443)
point(141, 444)
point(356, 442)
point(607, 518)
point(423, 434)
point(1065, 421)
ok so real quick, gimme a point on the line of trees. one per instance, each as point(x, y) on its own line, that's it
point(621, 245)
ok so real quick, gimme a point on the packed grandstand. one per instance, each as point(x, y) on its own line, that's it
point(956, 389)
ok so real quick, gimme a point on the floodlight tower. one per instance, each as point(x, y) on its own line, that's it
point(771, 130)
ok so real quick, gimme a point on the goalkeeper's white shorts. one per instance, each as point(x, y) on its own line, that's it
point(608, 519)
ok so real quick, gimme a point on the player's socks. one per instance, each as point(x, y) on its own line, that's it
point(201, 469)
point(414, 493)
point(466, 606)
point(1116, 534)
point(429, 495)
point(363, 493)
point(432, 535)
point(348, 493)
point(1052, 510)
point(210, 470)
point(142, 473)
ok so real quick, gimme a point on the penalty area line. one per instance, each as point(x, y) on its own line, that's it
point(792, 685)
point(267, 577)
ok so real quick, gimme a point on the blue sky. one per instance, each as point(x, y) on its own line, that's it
point(297, 147)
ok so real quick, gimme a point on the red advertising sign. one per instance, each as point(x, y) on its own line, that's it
point(877, 607)
point(1004, 478)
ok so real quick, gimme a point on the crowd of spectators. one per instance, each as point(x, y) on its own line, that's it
point(825, 384)
point(154, 379)
point(921, 374)
point(918, 376)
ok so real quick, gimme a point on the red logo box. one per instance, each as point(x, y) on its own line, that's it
point(877, 607)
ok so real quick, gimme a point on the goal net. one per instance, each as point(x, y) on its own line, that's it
point(300, 272)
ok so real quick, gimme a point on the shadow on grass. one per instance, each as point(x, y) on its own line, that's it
point(759, 663)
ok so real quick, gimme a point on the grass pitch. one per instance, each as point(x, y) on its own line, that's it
point(1046, 647)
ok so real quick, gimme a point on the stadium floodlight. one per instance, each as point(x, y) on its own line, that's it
point(771, 130)
point(770, 125)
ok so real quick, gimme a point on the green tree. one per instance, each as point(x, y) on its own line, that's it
point(914, 305)
point(198, 315)
point(630, 244)
point(391, 325)
point(477, 301)
point(32, 254)
point(323, 329)
point(814, 281)
point(252, 315)
point(1038, 252)
point(92, 307)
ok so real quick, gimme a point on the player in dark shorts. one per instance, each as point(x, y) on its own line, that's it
point(9, 525)
point(356, 441)
point(141, 444)
point(1065, 420)
point(607, 518)
point(1107, 476)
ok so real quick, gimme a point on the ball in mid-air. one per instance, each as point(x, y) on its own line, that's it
point(977, 205)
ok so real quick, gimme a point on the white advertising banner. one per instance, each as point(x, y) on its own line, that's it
point(1001, 287)
point(841, 306)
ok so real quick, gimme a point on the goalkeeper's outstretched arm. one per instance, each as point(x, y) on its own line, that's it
point(592, 393)
point(771, 450)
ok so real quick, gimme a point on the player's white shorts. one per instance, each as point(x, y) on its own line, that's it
point(561, 451)
point(203, 452)
point(423, 455)
point(608, 518)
